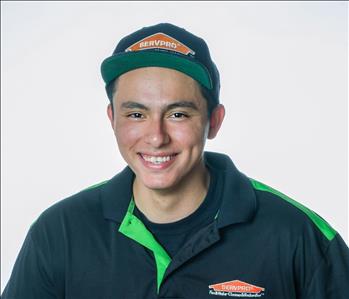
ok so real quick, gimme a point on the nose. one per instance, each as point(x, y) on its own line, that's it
point(156, 134)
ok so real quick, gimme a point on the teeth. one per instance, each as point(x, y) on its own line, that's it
point(156, 160)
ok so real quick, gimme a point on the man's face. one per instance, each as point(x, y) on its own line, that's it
point(160, 123)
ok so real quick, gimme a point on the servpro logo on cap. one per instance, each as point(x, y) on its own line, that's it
point(160, 41)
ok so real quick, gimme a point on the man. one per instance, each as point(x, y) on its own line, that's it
point(177, 222)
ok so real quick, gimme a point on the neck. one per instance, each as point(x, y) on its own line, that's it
point(170, 205)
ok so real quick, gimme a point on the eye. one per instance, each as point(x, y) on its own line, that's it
point(178, 115)
point(135, 115)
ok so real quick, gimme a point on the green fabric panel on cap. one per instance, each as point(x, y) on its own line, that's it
point(115, 66)
point(322, 225)
point(134, 229)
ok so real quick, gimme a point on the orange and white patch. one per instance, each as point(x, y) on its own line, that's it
point(160, 41)
point(236, 288)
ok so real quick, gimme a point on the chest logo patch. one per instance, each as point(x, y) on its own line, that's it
point(236, 288)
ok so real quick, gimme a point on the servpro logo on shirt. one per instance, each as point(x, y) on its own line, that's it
point(160, 41)
point(236, 288)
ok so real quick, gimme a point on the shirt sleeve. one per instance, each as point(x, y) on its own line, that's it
point(331, 276)
point(31, 275)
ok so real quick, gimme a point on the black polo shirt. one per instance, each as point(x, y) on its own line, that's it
point(261, 244)
point(173, 236)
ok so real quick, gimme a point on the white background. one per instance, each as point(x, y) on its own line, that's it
point(284, 77)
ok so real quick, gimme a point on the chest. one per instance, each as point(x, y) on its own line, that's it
point(208, 266)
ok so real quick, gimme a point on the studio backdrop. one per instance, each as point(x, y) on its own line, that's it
point(284, 83)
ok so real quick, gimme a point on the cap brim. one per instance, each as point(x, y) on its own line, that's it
point(116, 65)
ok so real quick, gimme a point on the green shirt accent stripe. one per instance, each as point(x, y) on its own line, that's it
point(97, 185)
point(322, 225)
point(88, 188)
point(134, 229)
point(215, 217)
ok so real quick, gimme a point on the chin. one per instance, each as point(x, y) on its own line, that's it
point(158, 184)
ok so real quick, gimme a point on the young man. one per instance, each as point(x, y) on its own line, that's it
point(178, 222)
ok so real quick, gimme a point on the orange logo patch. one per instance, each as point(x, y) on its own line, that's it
point(160, 41)
point(236, 288)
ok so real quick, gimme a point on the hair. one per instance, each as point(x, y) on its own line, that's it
point(210, 101)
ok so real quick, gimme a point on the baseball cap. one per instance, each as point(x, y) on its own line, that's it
point(164, 45)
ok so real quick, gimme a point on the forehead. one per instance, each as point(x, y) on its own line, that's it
point(157, 86)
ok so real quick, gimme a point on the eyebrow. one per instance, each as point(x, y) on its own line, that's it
point(133, 105)
point(179, 104)
point(182, 104)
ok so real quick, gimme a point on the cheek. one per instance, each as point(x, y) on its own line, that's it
point(189, 135)
point(126, 134)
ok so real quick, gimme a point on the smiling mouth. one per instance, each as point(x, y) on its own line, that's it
point(157, 159)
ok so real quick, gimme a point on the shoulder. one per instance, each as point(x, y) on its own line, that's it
point(290, 216)
point(89, 207)
point(85, 201)
point(74, 210)
point(314, 250)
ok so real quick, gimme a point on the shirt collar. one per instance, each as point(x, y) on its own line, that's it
point(238, 197)
point(116, 195)
point(239, 201)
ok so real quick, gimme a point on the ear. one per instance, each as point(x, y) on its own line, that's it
point(216, 120)
point(110, 115)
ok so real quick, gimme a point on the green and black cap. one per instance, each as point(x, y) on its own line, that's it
point(164, 45)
